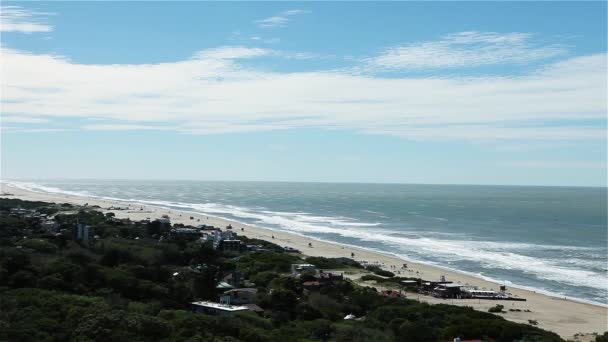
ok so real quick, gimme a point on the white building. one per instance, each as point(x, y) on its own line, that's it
point(213, 308)
point(300, 268)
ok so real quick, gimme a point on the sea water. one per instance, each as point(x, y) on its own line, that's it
point(550, 239)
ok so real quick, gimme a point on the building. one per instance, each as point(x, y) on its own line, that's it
point(448, 290)
point(19, 211)
point(303, 268)
point(206, 227)
point(224, 240)
point(238, 296)
point(213, 308)
point(429, 286)
point(82, 233)
point(230, 245)
point(256, 248)
point(185, 233)
point(328, 277)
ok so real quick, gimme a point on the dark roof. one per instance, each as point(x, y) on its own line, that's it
point(245, 289)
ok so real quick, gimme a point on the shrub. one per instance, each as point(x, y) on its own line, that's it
point(377, 270)
point(496, 308)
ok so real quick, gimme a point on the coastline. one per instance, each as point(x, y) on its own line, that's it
point(563, 316)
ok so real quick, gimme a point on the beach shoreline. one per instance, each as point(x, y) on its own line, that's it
point(566, 317)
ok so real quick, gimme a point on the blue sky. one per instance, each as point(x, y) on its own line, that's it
point(408, 92)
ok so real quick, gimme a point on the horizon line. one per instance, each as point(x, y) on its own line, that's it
point(2, 180)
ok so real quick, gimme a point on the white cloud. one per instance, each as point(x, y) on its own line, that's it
point(19, 19)
point(465, 49)
point(279, 20)
point(212, 93)
point(126, 127)
point(21, 119)
point(549, 164)
point(32, 130)
point(265, 40)
point(232, 52)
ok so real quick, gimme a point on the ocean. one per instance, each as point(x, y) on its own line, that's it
point(548, 239)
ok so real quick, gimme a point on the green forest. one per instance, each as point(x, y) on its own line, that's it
point(134, 281)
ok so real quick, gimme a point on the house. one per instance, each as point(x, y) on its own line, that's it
point(429, 286)
point(473, 292)
point(185, 233)
point(229, 245)
point(448, 290)
point(303, 268)
point(238, 296)
point(328, 277)
point(225, 240)
point(213, 308)
point(19, 211)
point(256, 248)
point(206, 227)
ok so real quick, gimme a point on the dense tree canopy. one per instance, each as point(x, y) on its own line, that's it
point(127, 286)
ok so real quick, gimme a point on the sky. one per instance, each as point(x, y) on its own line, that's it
point(511, 93)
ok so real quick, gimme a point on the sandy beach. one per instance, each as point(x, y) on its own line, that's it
point(563, 316)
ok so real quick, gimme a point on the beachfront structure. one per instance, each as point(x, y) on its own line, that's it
point(226, 241)
point(328, 277)
point(19, 211)
point(256, 248)
point(206, 227)
point(213, 308)
point(230, 245)
point(185, 233)
point(303, 268)
point(448, 290)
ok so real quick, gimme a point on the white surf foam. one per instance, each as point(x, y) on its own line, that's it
point(432, 250)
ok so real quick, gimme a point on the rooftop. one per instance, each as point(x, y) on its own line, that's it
point(218, 306)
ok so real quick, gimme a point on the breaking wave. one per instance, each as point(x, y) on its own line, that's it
point(577, 267)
